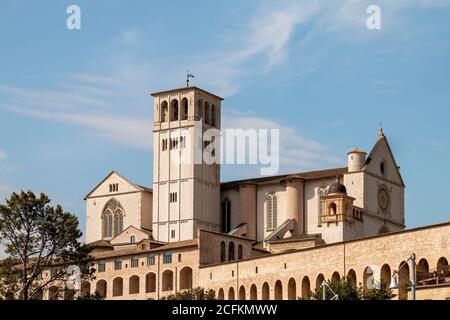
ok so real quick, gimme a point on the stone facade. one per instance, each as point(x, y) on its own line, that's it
point(265, 238)
point(261, 275)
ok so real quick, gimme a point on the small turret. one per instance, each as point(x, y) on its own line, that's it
point(356, 160)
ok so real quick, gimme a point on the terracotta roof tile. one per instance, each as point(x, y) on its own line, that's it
point(311, 175)
point(137, 249)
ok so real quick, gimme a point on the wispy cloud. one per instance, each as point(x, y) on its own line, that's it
point(440, 144)
point(296, 151)
point(128, 37)
point(267, 38)
point(115, 105)
point(3, 155)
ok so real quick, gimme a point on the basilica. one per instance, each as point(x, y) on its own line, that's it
point(273, 237)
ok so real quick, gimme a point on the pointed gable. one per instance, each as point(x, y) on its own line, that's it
point(124, 236)
point(123, 185)
point(381, 162)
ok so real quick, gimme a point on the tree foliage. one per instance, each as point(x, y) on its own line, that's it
point(193, 294)
point(94, 296)
point(347, 290)
point(38, 237)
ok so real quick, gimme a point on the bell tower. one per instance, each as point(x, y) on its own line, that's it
point(186, 189)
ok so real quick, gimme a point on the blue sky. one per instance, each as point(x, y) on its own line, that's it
point(75, 105)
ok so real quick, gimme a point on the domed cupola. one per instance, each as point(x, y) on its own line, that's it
point(338, 205)
point(337, 187)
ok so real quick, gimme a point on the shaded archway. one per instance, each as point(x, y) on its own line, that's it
point(174, 110)
point(292, 289)
point(442, 269)
point(133, 285)
point(385, 275)
point(150, 282)
point(403, 280)
point(351, 276)
point(221, 294)
point(253, 292)
point(231, 295)
point(278, 290)
point(423, 266)
point(39, 295)
point(319, 280)
point(164, 111)
point(53, 293)
point(442, 264)
point(306, 287)
point(335, 277)
point(186, 278)
point(118, 287)
point(69, 294)
point(265, 294)
point(184, 109)
point(242, 293)
point(332, 209)
point(100, 288)
point(167, 280)
point(85, 289)
point(423, 271)
point(368, 279)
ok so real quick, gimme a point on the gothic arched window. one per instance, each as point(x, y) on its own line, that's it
point(272, 212)
point(112, 219)
point(118, 222)
point(107, 222)
point(225, 216)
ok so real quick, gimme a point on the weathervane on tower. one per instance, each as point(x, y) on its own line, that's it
point(188, 75)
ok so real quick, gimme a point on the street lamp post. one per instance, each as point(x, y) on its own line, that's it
point(394, 283)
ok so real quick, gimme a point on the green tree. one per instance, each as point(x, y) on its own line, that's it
point(193, 294)
point(37, 237)
point(95, 296)
point(382, 293)
point(347, 290)
point(344, 288)
point(9, 278)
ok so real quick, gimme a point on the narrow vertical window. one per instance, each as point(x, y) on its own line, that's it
point(231, 256)
point(321, 193)
point(222, 251)
point(272, 212)
point(225, 219)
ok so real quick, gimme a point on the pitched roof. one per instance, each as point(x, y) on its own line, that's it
point(141, 188)
point(372, 153)
point(137, 249)
point(311, 175)
point(100, 243)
